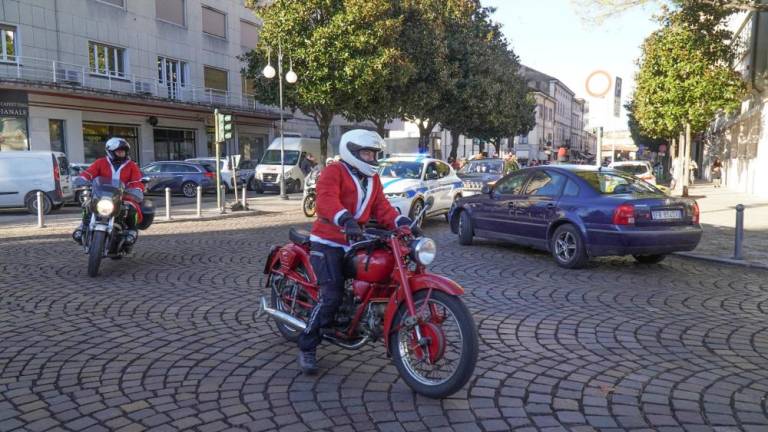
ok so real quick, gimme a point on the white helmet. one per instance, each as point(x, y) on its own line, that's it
point(360, 139)
point(114, 144)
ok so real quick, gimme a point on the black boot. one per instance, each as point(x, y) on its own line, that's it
point(308, 362)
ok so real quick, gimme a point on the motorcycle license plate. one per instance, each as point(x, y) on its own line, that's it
point(667, 214)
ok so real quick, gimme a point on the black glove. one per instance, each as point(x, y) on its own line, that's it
point(351, 228)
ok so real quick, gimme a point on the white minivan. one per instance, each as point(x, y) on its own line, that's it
point(296, 150)
point(24, 173)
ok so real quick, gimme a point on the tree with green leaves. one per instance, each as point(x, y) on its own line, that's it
point(638, 136)
point(340, 49)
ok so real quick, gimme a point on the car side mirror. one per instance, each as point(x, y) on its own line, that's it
point(145, 180)
point(430, 201)
point(486, 189)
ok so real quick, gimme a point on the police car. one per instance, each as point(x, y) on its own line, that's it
point(409, 179)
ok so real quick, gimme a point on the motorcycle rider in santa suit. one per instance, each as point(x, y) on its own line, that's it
point(349, 193)
point(118, 164)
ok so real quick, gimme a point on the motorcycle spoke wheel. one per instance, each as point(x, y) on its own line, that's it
point(291, 298)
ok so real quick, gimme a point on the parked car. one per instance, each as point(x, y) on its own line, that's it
point(224, 165)
point(181, 177)
point(246, 173)
point(579, 211)
point(409, 179)
point(479, 172)
point(75, 169)
point(24, 173)
point(640, 169)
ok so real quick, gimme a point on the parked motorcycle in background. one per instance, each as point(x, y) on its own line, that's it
point(310, 196)
point(104, 215)
point(426, 328)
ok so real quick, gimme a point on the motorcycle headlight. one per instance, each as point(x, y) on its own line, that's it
point(105, 207)
point(424, 251)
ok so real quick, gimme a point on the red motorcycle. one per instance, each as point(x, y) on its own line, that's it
point(389, 295)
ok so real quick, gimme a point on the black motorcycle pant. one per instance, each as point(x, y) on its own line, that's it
point(327, 262)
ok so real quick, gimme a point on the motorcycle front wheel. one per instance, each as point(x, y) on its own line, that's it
point(95, 252)
point(309, 205)
point(445, 360)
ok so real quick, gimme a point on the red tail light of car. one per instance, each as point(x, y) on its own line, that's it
point(696, 213)
point(57, 178)
point(624, 215)
point(209, 174)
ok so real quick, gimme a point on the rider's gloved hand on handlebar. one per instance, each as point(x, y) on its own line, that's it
point(351, 228)
point(80, 182)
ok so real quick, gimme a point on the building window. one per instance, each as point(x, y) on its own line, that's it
point(247, 85)
point(215, 79)
point(214, 22)
point(8, 44)
point(56, 132)
point(106, 60)
point(118, 3)
point(174, 144)
point(249, 34)
point(95, 135)
point(252, 146)
point(173, 75)
point(171, 11)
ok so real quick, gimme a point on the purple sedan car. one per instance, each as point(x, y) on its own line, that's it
point(576, 212)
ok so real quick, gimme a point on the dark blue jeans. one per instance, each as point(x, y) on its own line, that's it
point(327, 262)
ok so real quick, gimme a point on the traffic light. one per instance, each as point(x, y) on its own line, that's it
point(223, 126)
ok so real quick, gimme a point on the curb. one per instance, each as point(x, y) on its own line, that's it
point(730, 261)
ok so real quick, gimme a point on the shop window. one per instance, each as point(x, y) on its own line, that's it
point(56, 132)
point(95, 136)
point(174, 144)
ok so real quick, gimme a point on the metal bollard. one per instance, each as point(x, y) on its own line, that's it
point(245, 203)
point(222, 207)
point(167, 203)
point(739, 234)
point(40, 212)
point(199, 201)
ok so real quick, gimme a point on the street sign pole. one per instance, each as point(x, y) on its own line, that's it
point(217, 139)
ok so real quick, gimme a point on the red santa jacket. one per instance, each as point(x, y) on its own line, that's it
point(339, 193)
point(129, 172)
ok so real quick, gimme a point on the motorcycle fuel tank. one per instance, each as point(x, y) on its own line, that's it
point(374, 266)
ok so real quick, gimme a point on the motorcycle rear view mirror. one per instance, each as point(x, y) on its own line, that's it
point(144, 180)
point(430, 202)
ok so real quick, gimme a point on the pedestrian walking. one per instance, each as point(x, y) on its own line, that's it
point(717, 172)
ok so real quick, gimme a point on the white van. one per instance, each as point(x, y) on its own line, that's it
point(23, 173)
point(296, 150)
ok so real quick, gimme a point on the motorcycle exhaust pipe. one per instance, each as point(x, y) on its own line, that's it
point(281, 316)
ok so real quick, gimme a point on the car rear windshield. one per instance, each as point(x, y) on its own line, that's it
point(615, 183)
point(633, 169)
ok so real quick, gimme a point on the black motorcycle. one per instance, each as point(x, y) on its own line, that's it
point(310, 196)
point(104, 231)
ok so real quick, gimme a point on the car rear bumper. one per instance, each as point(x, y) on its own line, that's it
point(642, 241)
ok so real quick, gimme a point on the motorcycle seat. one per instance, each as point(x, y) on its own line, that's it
point(299, 236)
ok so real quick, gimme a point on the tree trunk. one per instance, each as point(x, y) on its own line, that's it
point(381, 127)
point(497, 145)
point(323, 121)
point(454, 144)
point(425, 130)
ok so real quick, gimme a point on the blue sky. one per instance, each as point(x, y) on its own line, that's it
point(550, 36)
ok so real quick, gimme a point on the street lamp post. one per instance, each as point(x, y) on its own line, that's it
point(269, 73)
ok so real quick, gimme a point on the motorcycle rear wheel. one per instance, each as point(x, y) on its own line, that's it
point(436, 370)
point(309, 205)
point(95, 252)
point(278, 295)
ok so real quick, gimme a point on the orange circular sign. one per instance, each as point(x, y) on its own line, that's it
point(602, 92)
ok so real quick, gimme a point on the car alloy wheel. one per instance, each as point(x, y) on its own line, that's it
point(565, 246)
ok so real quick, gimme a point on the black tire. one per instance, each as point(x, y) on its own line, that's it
point(289, 333)
point(253, 184)
point(469, 347)
point(189, 189)
point(57, 206)
point(567, 247)
point(308, 205)
point(456, 197)
point(30, 202)
point(466, 229)
point(650, 259)
point(416, 207)
point(95, 252)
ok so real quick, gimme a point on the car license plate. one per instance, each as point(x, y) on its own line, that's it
point(667, 214)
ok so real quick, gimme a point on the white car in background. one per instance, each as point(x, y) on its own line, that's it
point(638, 168)
point(409, 179)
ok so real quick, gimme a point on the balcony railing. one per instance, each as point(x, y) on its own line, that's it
point(72, 75)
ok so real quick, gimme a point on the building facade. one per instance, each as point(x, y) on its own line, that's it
point(151, 71)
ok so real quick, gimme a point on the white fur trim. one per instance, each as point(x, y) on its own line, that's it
point(316, 239)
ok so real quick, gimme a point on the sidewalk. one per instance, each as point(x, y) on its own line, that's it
point(718, 217)
point(181, 210)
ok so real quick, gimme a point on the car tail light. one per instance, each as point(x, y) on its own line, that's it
point(696, 212)
point(209, 174)
point(624, 215)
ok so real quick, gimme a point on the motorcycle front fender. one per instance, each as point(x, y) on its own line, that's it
point(417, 282)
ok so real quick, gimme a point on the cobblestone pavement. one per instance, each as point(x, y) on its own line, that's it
point(168, 340)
